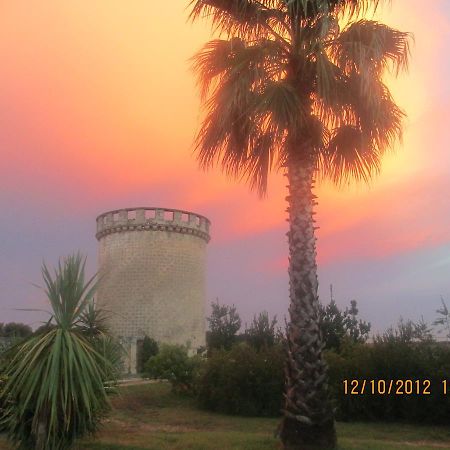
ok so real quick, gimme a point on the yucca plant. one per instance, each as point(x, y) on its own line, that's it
point(55, 389)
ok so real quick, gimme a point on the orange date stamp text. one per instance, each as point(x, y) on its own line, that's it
point(391, 387)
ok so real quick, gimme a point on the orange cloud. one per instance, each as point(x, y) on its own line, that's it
point(98, 103)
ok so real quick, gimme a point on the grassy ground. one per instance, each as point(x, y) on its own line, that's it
point(150, 417)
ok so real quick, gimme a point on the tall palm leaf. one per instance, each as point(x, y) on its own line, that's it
point(93, 324)
point(93, 321)
point(55, 389)
point(297, 85)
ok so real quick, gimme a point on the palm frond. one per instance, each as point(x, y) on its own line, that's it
point(67, 291)
point(246, 128)
point(367, 45)
point(316, 92)
point(356, 8)
point(243, 77)
point(279, 103)
point(363, 103)
point(328, 78)
point(211, 63)
point(260, 162)
point(384, 121)
point(276, 110)
point(258, 61)
point(227, 125)
point(349, 156)
point(93, 321)
point(310, 10)
point(249, 19)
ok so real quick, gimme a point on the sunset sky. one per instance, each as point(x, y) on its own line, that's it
point(98, 111)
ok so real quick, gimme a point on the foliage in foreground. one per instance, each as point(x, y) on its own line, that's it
point(55, 389)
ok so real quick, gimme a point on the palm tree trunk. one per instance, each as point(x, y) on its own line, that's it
point(308, 422)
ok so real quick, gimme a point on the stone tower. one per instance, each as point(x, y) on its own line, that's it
point(152, 276)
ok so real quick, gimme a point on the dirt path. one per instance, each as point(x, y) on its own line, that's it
point(138, 381)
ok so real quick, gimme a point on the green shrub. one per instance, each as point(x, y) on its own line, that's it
point(6, 344)
point(15, 330)
point(242, 381)
point(148, 347)
point(173, 363)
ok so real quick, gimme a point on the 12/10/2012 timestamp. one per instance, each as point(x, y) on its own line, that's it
point(393, 387)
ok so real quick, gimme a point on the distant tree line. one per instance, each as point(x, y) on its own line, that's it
point(14, 330)
point(337, 327)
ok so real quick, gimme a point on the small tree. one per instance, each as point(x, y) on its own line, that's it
point(148, 348)
point(406, 332)
point(55, 389)
point(357, 329)
point(262, 331)
point(443, 321)
point(336, 326)
point(224, 323)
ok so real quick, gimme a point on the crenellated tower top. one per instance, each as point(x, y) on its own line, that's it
point(151, 218)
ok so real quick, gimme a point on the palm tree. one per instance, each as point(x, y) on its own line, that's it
point(55, 390)
point(297, 85)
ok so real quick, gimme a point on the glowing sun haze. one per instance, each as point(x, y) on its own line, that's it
point(98, 110)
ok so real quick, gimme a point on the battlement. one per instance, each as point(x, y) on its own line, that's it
point(148, 218)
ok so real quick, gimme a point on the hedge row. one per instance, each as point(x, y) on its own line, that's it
point(247, 381)
point(418, 372)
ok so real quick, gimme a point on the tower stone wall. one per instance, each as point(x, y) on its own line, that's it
point(152, 276)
